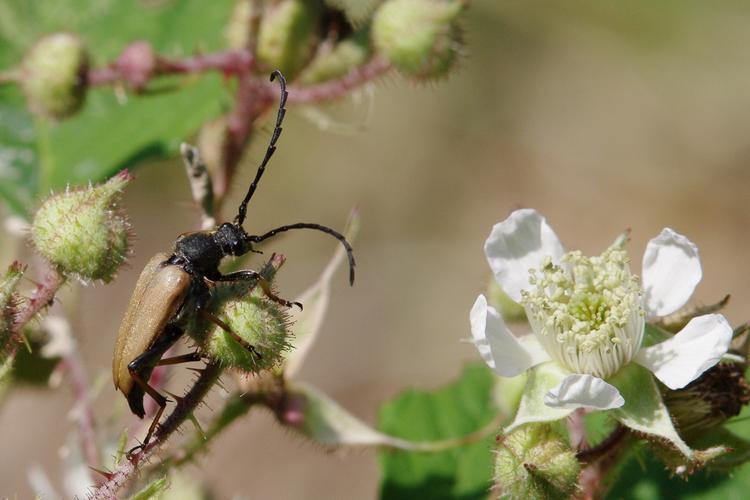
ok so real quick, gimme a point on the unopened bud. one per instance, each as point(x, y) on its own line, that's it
point(340, 59)
point(237, 32)
point(82, 232)
point(420, 37)
point(136, 65)
point(53, 75)
point(9, 301)
point(534, 462)
point(253, 332)
point(288, 34)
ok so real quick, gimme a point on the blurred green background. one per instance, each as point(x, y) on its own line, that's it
point(601, 115)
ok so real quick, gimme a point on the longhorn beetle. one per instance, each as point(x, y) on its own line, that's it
point(173, 287)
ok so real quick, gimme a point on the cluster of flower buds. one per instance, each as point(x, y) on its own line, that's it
point(309, 41)
point(82, 233)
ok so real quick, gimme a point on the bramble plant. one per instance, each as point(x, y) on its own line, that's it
point(616, 370)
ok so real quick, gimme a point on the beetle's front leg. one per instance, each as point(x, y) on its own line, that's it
point(250, 275)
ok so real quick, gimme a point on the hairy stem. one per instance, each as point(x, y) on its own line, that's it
point(40, 297)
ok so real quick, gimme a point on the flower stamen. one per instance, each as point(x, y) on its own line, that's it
point(587, 311)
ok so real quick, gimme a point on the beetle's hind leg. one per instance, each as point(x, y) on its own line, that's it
point(250, 275)
point(140, 370)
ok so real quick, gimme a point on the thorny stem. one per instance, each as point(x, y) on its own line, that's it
point(228, 62)
point(39, 298)
point(184, 409)
point(335, 89)
point(600, 458)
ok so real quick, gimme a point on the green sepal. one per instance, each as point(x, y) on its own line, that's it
point(644, 411)
point(541, 379)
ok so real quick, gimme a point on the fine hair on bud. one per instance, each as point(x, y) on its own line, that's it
point(421, 38)
point(82, 232)
point(53, 75)
point(533, 462)
point(258, 333)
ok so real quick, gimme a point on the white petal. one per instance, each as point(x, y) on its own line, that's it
point(507, 355)
point(518, 244)
point(584, 391)
point(671, 271)
point(684, 357)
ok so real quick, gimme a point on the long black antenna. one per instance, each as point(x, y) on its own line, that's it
point(317, 227)
point(240, 219)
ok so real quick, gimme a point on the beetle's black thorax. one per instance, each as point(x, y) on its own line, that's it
point(200, 252)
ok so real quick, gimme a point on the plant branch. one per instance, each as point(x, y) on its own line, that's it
point(138, 64)
point(335, 89)
point(40, 297)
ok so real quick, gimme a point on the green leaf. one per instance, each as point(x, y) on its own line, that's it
point(108, 134)
point(644, 411)
point(18, 153)
point(451, 412)
point(542, 378)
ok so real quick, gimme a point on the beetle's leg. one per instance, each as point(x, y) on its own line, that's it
point(218, 322)
point(184, 358)
point(160, 400)
point(140, 370)
point(250, 275)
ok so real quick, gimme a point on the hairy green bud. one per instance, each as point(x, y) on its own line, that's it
point(255, 331)
point(82, 233)
point(338, 60)
point(533, 462)
point(53, 75)
point(287, 35)
point(237, 31)
point(420, 37)
point(9, 301)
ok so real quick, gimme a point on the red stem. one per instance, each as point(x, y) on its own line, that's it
point(40, 298)
point(81, 393)
point(334, 89)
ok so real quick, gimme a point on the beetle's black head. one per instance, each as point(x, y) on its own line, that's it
point(232, 239)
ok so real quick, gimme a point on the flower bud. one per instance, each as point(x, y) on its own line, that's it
point(420, 37)
point(9, 301)
point(717, 395)
point(237, 31)
point(53, 75)
point(340, 59)
point(82, 233)
point(136, 64)
point(259, 329)
point(288, 34)
point(533, 462)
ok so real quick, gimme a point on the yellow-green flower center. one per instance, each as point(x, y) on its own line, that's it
point(587, 311)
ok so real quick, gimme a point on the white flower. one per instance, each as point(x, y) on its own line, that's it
point(588, 315)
